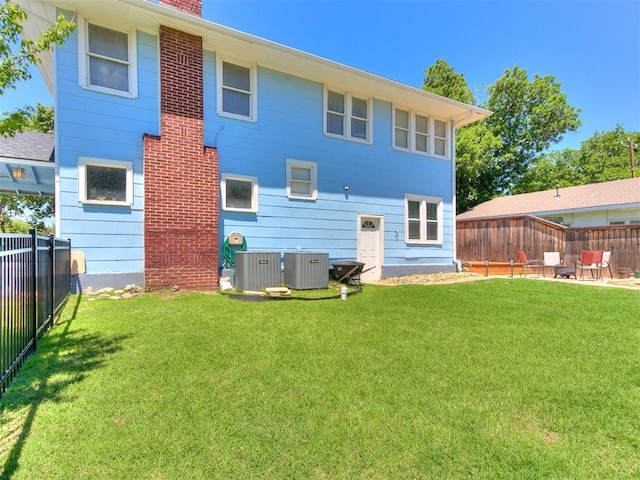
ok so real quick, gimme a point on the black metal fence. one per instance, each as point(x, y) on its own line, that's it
point(35, 281)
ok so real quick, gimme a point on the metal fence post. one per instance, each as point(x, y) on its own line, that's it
point(33, 310)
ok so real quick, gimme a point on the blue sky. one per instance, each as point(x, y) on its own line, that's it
point(592, 47)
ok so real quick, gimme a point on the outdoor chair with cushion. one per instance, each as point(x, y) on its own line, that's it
point(590, 260)
point(550, 259)
point(606, 258)
point(526, 264)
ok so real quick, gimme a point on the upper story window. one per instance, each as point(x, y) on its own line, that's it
point(423, 219)
point(236, 90)
point(107, 60)
point(107, 182)
point(239, 193)
point(418, 133)
point(302, 179)
point(347, 116)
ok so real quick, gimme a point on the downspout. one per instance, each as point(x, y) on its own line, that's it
point(456, 261)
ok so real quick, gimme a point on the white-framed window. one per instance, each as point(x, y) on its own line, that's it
point(347, 116)
point(105, 182)
point(239, 193)
point(419, 133)
point(302, 179)
point(423, 219)
point(107, 59)
point(236, 87)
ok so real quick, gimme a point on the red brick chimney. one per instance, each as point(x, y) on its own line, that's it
point(181, 177)
point(194, 7)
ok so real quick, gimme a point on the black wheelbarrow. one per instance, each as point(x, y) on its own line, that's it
point(348, 271)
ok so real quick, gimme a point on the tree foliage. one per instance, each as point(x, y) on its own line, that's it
point(603, 157)
point(18, 53)
point(441, 79)
point(494, 155)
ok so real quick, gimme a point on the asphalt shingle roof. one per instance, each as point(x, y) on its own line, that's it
point(28, 146)
point(615, 194)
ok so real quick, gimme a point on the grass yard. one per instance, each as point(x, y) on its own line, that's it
point(495, 379)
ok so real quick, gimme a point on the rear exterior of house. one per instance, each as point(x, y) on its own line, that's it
point(172, 132)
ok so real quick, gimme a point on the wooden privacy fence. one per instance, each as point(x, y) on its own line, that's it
point(498, 239)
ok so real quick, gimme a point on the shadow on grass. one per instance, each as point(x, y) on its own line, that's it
point(64, 357)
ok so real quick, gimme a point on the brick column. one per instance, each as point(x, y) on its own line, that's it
point(181, 177)
point(194, 7)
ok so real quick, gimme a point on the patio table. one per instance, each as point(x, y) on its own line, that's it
point(564, 271)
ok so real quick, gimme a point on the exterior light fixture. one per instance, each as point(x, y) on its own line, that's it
point(17, 172)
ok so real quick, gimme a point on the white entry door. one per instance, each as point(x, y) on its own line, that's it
point(370, 247)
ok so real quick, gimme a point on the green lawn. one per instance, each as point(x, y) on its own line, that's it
point(495, 379)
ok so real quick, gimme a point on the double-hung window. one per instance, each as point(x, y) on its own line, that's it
point(107, 60)
point(414, 132)
point(239, 193)
point(236, 90)
point(108, 182)
point(347, 116)
point(302, 179)
point(423, 219)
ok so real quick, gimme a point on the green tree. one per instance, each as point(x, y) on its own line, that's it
point(18, 53)
point(603, 157)
point(494, 155)
point(529, 117)
point(441, 79)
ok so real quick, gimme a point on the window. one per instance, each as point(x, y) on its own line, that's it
point(302, 179)
point(236, 95)
point(239, 193)
point(108, 182)
point(423, 219)
point(440, 138)
point(412, 132)
point(107, 60)
point(347, 116)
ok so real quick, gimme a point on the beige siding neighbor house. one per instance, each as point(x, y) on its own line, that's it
point(596, 204)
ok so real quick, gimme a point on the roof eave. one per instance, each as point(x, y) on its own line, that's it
point(148, 16)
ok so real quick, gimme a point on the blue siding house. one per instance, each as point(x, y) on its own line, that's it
point(173, 131)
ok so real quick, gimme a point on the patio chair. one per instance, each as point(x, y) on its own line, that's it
point(590, 260)
point(532, 264)
point(550, 259)
point(606, 258)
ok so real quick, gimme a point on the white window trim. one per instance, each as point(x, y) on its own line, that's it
point(313, 167)
point(347, 115)
point(412, 134)
point(83, 64)
point(102, 162)
point(253, 102)
point(254, 192)
point(423, 219)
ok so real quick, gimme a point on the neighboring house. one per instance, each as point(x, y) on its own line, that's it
point(596, 204)
point(27, 164)
point(173, 131)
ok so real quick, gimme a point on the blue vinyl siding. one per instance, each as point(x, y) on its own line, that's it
point(94, 124)
point(289, 125)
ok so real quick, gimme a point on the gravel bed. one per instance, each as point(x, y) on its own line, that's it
point(429, 278)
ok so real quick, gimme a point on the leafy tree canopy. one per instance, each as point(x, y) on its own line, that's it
point(603, 157)
point(18, 53)
point(494, 155)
